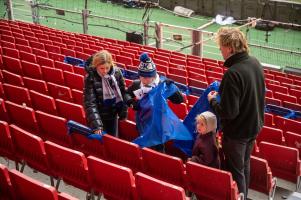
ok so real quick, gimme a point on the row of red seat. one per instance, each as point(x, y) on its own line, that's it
point(111, 179)
point(15, 185)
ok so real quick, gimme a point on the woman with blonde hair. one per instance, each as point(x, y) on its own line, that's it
point(104, 90)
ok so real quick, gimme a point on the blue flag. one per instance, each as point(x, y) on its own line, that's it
point(155, 121)
point(200, 106)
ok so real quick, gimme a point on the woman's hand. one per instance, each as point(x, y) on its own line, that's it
point(99, 131)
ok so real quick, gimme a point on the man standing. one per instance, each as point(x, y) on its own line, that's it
point(241, 107)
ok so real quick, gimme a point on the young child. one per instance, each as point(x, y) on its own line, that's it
point(205, 149)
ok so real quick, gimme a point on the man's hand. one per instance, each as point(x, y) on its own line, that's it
point(212, 95)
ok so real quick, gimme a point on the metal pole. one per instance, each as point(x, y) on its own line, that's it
point(10, 9)
point(85, 15)
point(197, 47)
point(145, 33)
point(159, 35)
point(34, 12)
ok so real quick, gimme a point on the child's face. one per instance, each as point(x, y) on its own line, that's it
point(146, 80)
point(201, 126)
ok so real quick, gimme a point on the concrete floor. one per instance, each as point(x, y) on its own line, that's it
point(284, 190)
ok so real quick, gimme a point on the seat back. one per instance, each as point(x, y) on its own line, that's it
point(149, 188)
point(43, 102)
point(71, 111)
point(122, 152)
point(31, 70)
point(74, 81)
point(6, 144)
point(68, 164)
point(261, 178)
point(127, 130)
point(271, 135)
point(12, 78)
point(163, 167)
point(293, 140)
point(23, 117)
point(29, 148)
point(18, 95)
point(284, 161)
point(209, 183)
point(26, 188)
point(115, 181)
point(6, 190)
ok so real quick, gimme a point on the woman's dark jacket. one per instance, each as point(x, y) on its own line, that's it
point(93, 98)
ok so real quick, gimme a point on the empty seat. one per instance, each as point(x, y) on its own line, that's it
point(53, 75)
point(268, 119)
point(16, 94)
point(283, 161)
point(12, 78)
point(209, 183)
point(127, 130)
point(68, 165)
point(27, 188)
point(74, 81)
point(48, 131)
point(77, 96)
point(261, 178)
point(22, 116)
point(14, 53)
point(287, 124)
point(43, 102)
point(7, 192)
point(64, 66)
point(293, 140)
point(3, 111)
point(45, 61)
point(28, 57)
point(6, 144)
point(36, 85)
point(149, 188)
point(31, 70)
point(122, 152)
point(179, 109)
point(163, 167)
point(271, 135)
point(12, 64)
point(29, 148)
point(60, 92)
point(114, 181)
point(71, 111)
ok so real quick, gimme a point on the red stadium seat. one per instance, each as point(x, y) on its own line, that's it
point(7, 192)
point(210, 183)
point(71, 111)
point(28, 57)
point(68, 165)
point(179, 109)
point(16, 94)
point(53, 75)
point(114, 181)
point(77, 96)
point(271, 135)
point(43, 102)
point(21, 116)
point(163, 167)
point(261, 178)
point(287, 124)
point(293, 140)
point(57, 133)
point(149, 188)
point(12, 78)
point(25, 187)
point(12, 64)
point(60, 92)
point(284, 161)
point(6, 143)
point(122, 152)
point(36, 85)
point(14, 53)
point(127, 130)
point(74, 81)
point(29, 148)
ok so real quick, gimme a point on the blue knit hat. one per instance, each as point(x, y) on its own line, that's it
point(147, 67)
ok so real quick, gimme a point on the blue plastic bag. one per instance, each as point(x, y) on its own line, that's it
point(200, 106)
point(155, 121)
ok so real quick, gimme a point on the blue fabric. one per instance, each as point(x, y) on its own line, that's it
point(74, 61)
point(74, 127)
point(284, 112)
point(200, 106)
point(155, 121)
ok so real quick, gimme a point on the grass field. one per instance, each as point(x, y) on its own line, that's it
point(287, 39)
